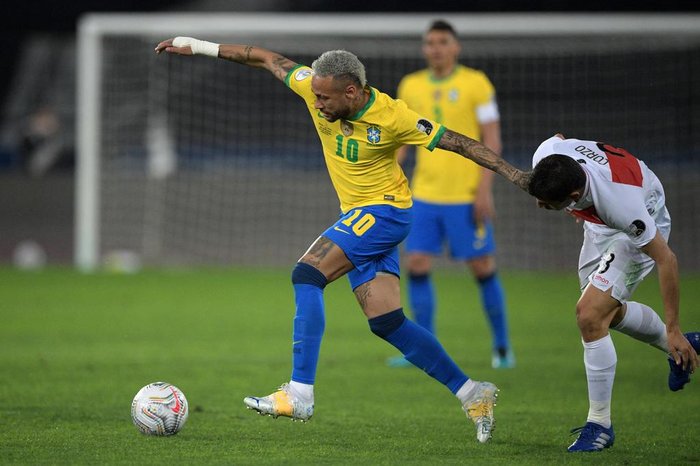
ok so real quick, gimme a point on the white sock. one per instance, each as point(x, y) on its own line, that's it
point(642, 323)
point(600, 360)
point(466, 391)
point(302, 390)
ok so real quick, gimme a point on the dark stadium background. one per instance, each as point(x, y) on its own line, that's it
point(21, 18)
point(42, 209)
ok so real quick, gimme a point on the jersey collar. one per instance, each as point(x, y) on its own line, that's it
point(363, 110)
point(434, 79)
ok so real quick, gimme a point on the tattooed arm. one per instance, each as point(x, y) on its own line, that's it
point(482, 155)
point(256, 57)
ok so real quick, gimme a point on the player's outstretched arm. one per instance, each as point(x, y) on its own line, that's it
point(667, 265)
point(256, 57)
point(482, 155)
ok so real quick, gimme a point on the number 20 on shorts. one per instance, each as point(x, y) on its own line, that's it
point(359, 225)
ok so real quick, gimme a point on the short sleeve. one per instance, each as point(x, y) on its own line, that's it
point(412, 129)
point(622, 207)
point(299, 80)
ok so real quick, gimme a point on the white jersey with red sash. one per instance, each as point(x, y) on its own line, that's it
point(621, 194)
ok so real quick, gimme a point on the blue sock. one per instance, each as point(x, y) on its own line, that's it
point(421, 294)
point(420, 347)
point(309, 321)
point(493, 301)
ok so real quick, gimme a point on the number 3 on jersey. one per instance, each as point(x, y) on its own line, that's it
point(359, 225)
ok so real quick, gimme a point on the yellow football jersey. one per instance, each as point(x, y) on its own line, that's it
point(360, 152)
point(443, 176)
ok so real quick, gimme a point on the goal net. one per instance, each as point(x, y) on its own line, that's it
point(193, 160)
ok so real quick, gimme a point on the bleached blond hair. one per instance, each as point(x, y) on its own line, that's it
point(340, 64)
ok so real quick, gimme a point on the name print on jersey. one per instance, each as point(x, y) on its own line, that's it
point(592, 155)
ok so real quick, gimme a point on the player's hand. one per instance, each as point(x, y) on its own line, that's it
point(682, 351)
point(167, 46)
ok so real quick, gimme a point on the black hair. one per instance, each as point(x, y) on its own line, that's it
point(442, 25)
point(555, 177)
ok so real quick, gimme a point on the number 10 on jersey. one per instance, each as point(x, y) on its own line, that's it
point(351, 148)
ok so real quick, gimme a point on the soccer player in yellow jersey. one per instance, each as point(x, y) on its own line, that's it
point(453, 202)
point(360, 129)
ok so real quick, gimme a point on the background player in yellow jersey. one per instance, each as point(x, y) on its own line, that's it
point(360, 130)
point(453, 201)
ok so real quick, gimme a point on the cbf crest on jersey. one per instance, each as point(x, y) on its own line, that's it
point(374, 134)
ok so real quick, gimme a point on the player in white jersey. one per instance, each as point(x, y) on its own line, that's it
point(626, 228)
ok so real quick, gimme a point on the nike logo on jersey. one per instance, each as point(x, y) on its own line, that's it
point(341, 230)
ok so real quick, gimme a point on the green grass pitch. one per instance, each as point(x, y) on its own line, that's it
point(74, 349)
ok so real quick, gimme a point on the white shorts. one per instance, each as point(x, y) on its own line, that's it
point(612, 261)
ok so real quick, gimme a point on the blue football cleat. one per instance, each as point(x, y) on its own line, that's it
point(678, 377)
point(592, 437)
point(503, 359)
point(398, 361)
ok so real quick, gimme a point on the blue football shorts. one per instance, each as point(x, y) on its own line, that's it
point(369, 236)
point(435, 224)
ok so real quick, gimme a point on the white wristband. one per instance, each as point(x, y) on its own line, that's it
point(199, 47)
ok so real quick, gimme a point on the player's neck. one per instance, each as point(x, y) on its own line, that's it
point(442, 72)
point(362, 100)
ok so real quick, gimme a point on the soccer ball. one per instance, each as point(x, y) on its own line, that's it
point(159, 409)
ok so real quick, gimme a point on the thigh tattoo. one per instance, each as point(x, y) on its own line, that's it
point(318, 251)
point(363, 293)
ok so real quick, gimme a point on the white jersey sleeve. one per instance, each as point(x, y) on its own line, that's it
point(623, 207)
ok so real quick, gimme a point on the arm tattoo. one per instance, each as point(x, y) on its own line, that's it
point(242, 57)
point(281, 66)
point(258, 57)
point(482, 155)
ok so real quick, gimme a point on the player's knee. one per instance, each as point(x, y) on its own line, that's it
point(305, 274)
point(386, 324)
point(588, 321)
point(419, 264)
point(483, 268)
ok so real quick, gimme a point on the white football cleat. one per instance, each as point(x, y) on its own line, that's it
point(281, 403)
point(479, 409)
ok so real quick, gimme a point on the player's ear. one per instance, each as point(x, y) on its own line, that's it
point(350, 91)
point(576, 195)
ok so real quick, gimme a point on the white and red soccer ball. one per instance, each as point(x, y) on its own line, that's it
point(159, 409)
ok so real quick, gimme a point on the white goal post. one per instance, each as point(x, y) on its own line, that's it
point(375, 35)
